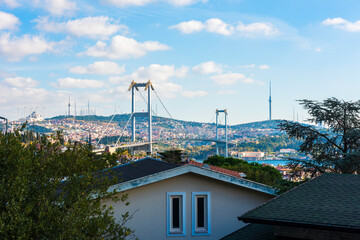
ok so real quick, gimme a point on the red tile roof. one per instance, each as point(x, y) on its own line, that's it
point(217, 169)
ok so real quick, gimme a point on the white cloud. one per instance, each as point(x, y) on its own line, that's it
point(91, 27)
point(13, 96)
point(207, 68)
point(12, 3)
point(231, 78)
point(4, 74)
point(248, 66)
point(20, 82)
point(343, 24)
point(57, 7)
point(216, 25)
point(189, 27)
point(119, 79)
point(184, 2)
point(101, 67)
point(8, 21)
point(159, 73)
point(257, 28)
point(66, 83)
point(318, 49)
point(16, 48)
point(192, 94)
point(122, 48)
point(226, 92)
point(167, 89)
point(126, 3)
point(264, 66)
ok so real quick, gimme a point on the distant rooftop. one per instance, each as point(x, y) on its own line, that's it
point(218, 169)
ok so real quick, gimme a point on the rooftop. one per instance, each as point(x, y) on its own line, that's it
point(330, 201)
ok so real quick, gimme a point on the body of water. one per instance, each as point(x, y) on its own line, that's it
point(271, 162)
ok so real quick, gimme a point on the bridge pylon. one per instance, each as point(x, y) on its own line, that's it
point(218, 126)
point(148, 87)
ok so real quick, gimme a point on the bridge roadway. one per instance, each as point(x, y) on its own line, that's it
point(112, 149)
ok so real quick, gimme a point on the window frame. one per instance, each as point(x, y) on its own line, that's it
point(182, 230)
point(207, 214)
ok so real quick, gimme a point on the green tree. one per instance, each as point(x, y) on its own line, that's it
point(254, 171)
point(335, 147)
point(171, 156)
point(48, 192)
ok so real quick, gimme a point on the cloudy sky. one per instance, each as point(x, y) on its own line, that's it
point(201, 55)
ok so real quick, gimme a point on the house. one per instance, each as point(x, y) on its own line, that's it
point(326, 207)
point(169, 201)
point(251, 156)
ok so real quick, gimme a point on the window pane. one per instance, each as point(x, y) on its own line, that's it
point(176, 212)
point(200, 212)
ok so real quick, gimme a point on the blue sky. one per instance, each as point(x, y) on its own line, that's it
point(200, 55)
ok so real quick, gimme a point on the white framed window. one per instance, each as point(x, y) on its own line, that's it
point(176, 214)
point(201, 215)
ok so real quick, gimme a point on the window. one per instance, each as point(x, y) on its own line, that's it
point(201, 213)
point(176, 214)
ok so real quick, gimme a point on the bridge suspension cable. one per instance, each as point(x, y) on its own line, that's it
point(146, 103)
point(123, 129)
point(106, 128)
point(163, 104)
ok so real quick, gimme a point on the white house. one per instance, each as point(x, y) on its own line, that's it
point(171, 201)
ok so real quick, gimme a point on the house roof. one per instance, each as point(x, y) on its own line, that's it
point(149, 170)
point(252, 232)
point(329, 202)
point(217, 169)
point(141, 168)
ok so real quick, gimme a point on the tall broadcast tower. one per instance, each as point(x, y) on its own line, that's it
point(69, 107)
point(270, 101)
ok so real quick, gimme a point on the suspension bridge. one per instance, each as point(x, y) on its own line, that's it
point(147, 145)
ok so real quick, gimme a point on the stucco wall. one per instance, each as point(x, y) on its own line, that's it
point(148, 206)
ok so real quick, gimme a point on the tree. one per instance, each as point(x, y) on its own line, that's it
point(171, 156)
point(254, 171)
point(48, 192)
point(335, 147)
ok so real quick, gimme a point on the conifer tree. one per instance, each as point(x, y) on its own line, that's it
point(333, 147)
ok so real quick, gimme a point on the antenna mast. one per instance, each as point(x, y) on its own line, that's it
point(270, 101)
point(69, 108)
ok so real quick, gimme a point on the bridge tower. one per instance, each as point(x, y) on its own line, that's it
point(218, 126)
point(135, 86)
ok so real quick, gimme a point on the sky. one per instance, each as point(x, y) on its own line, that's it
point(200, 55)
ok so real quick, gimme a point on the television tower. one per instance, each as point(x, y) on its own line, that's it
point(69, 108)
point(270, 101)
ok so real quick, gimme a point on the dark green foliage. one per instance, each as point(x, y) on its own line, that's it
point(108, 140)
point(48, 192)
point(171, 156)
point(270, 144)
point(36, 128)
point(254, 171)
point(285, 185)
point(335, 148)
point(269, 124)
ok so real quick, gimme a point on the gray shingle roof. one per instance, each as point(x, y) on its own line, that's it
point(328, 201)
point(252, 232)
point(141, 168)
